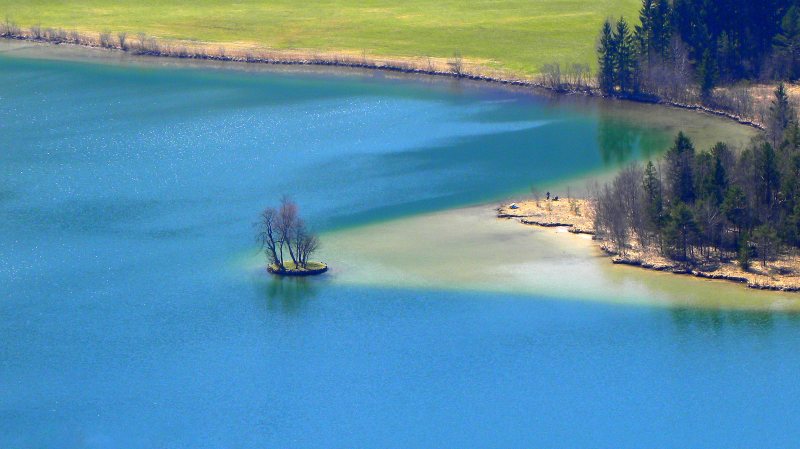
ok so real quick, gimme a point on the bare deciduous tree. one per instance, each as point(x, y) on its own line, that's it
point(123, 40)
point(572, 76)
point(305, 243)
point(283, 230)
point(551, 76)
point(152, 46)
point(611, 218)
point(9, 28)
point(456, 64)
point(105, 39)
point(36, 31)
point(627, 186)
point(579, 75)
point(268, 238)
point(308, 245)
point(288, 223)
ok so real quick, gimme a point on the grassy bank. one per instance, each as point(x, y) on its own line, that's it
point(515, 35)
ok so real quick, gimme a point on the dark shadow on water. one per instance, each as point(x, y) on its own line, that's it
point(620, 141)
point(756, 322)
point(288, 294)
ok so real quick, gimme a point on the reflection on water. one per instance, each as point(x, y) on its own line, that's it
point(619, 143)
point(287, 294)
point(717, 319)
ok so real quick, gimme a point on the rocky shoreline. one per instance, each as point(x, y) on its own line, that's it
point(685, 270)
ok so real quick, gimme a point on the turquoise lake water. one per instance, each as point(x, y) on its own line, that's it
point(127, 197)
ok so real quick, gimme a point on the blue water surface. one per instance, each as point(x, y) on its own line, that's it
point(127, 196)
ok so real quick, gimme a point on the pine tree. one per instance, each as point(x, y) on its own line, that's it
point(625, 60)
point(654, 33)
point(681, 230)
point(767, 243)
point(735, 209)
point(704, 175)
point(780, 115)
point(791, 226)
point(728, 57)
point(680, 173)
point(708, 73)
point(767, 175)
point(606, 50)
point(720, 153)
point(653, 199)
point(644, 31)
point(745, 253)
point(787, 43)
point(662, 27)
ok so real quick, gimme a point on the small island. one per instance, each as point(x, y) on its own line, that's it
point(290, 269)
point(281, 232)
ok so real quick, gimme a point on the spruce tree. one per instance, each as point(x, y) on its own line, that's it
point(606, 50)
point(654, 33)
point(653, 198)
point(644, 31)
point(708, 74)
point(780, 115)
point(681, 230)
point(767, 175)
point(625, 60)
point(735, 208)
point(680, 172)
point(720, 153)
point(787, 43)
point(661, 34)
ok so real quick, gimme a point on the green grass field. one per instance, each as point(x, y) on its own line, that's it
point(518, 35)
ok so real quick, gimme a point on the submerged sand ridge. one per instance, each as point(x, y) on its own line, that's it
point(471, 249)
point(577, 215)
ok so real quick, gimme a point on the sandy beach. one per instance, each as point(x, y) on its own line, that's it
point(577, 215)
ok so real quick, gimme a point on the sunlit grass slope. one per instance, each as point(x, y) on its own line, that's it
point(518, 35)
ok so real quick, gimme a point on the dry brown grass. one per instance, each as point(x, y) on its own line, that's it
point(576, 214)
point(761, 96)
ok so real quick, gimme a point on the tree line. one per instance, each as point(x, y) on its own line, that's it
point(711, 205)
point(680, 45)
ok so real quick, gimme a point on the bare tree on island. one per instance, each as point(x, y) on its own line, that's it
point(306, 243)
point(281, 231)
point(288, 224)
point(268, 237)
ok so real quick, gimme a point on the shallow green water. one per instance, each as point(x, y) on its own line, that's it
point(131, 317)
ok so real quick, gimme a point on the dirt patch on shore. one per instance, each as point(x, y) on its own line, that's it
point(575, 214)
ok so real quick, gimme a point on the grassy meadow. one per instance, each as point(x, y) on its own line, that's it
point(515, 35)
